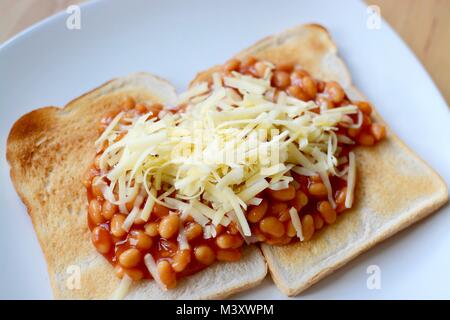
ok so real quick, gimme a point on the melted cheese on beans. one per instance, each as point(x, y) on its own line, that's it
point(234, 140)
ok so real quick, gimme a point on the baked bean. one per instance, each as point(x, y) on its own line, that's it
point(320, 86)
point(353, 132)
point(238, 242)
point(116, 225)
point(297, 92)
point(309, 86)
point(260, 69)
point(307, 226)
point(193, 230)
point(341, 195)
point(272, 226)
point(256, 213)
point(227, 241)
point(279, 241)
point(232, 65)
point(280, 80)
point(101, 239)
point(204, 254)
point(219, 229)
point(130, 258)
point(95, 212)
point(166, 274)
point(134, 273)
point(317, 189)
point(228, 255)
point(378, 131)
point(367, 121)
point(284, 215)
point(297, 76)
point(318, 221)
point(300, 200)
point(141, 240)
point(334, 91)
point(169, 225)
point(290, 230)
point(108, 210)
point(128, 103)
point(283, 195)
point(326, 211)
point(323, 100)
point(365, 107)
point(139, 221)
point(141, 107)
point(258, 234)
point(277, 207)
point(232, 229)
point(96, 189)
point(151, 229)
point(180, 260)
point(156, 108)
point(160, 210)
point(248, 62)
point(366, 139)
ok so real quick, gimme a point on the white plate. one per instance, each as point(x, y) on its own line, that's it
point(49, 65)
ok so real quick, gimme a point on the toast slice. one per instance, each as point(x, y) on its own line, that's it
point(395, 188)
point(49, 150)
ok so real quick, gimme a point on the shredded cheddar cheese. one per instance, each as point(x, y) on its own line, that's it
point(232, 142)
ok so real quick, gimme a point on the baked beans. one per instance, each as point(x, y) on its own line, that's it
point(169, 225)
point(326, 211)
point(256, 213)
point(180, 260)
point(116, 225)
point(270, 221)
point(101, 239)
point(334, 91)
point(95, 212)
point(130, 258)
point(151, 229)
point(272, 226)
point(166, 274)
point(193, 231)
point(108, 210)
point(281, 80)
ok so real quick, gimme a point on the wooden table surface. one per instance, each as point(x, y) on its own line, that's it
point(423, 24)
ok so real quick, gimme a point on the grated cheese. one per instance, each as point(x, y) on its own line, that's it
point(351, 178)
point(123, 288)
point(232, 142)
point(296, 223)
